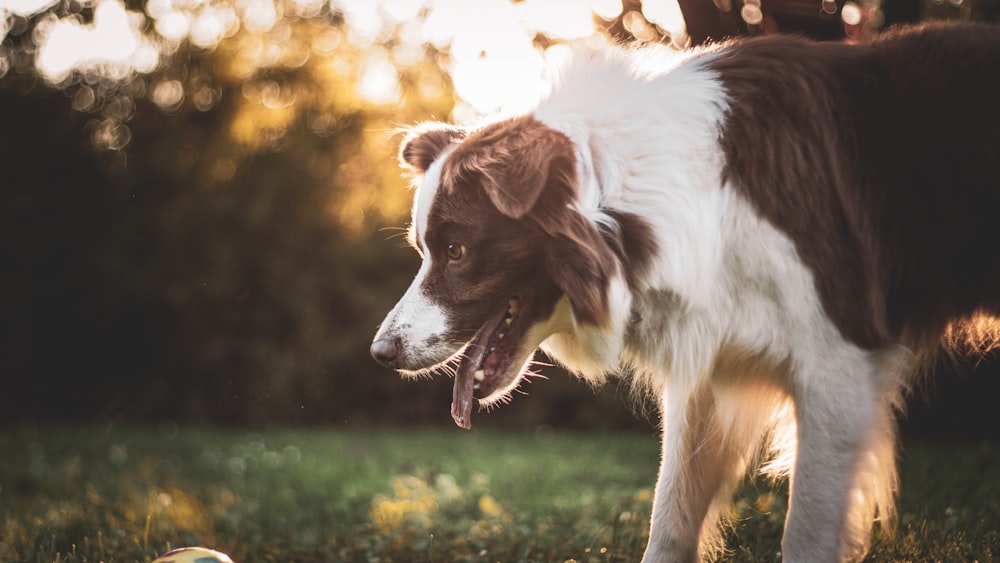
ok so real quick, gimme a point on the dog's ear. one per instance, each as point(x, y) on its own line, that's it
point(424, 143)
point(514, 161)
point(581, 263)
point(528, 170)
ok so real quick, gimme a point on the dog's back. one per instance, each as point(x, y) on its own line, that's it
point(893, 151)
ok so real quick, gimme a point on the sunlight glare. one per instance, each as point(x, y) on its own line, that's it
point(206, 24)
point(666, 14)
point(494, 64)
point(363, 18)
point(113, 44)
point(557, 19)
point(259, 16)
point(167, 94)
point(25, 8)
point(607, 10)
point(57, 53)
point(447, 19)
point(491, 48)
point(378, 81)
point(207, 29)
point(308, 8)
point(493, 60)
point(173, 26)
point(636, 24)
point(409, 50)
point(496, 70)
point(212, 24)
point(851, 14)
point(400, 11)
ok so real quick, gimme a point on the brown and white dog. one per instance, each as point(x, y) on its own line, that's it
point(765, 235)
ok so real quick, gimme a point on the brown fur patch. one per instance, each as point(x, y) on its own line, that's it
point(881, 163)
point(580, 262)
point(424, 143)
point(515, 181)
point(634, 243)
point(508, 193)
point(513, 161)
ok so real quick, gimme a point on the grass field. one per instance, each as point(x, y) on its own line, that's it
point(441, 495)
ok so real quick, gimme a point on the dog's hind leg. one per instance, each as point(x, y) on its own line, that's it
point(697, 468)
point(844, 473)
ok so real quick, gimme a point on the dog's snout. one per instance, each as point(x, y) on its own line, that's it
point(385, 350)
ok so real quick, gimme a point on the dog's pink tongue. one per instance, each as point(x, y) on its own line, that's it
point(461, 398)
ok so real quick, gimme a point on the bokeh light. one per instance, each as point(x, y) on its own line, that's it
point(112, 45)
point(25, 8)
point(279, 65)
point(851, 14)
point(490, 49)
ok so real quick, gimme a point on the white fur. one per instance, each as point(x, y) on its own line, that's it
point(423, 197)
point(419, 321)
point(416, 319)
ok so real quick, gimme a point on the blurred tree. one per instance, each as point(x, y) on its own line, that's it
point(56, 304)
point(203, 240)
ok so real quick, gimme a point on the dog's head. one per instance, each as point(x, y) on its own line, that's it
point(508, 258)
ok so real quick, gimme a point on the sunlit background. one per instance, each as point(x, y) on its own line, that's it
point(493, 54)
point(201, 207)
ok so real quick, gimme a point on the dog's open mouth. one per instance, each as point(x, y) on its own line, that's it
point(487, 367)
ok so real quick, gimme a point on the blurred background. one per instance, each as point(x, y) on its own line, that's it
point(201, 210)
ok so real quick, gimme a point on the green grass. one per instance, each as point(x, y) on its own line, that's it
point(442, 495)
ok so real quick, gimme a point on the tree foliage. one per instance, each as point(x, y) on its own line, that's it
point(207, 239)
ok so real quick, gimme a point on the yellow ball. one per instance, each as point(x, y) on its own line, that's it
point(193, 555)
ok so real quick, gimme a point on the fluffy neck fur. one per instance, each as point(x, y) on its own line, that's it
point(670, 163)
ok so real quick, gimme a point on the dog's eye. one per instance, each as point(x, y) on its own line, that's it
point(456, 251)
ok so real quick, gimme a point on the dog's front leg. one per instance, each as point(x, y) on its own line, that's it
point(837, 407)
point(695, 466)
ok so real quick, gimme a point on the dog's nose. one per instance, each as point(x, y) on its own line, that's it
point(385, 350)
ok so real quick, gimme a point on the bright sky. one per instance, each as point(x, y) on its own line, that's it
point(494, 64)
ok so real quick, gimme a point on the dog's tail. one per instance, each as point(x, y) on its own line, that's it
point(975, 336)
point(963, 343)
